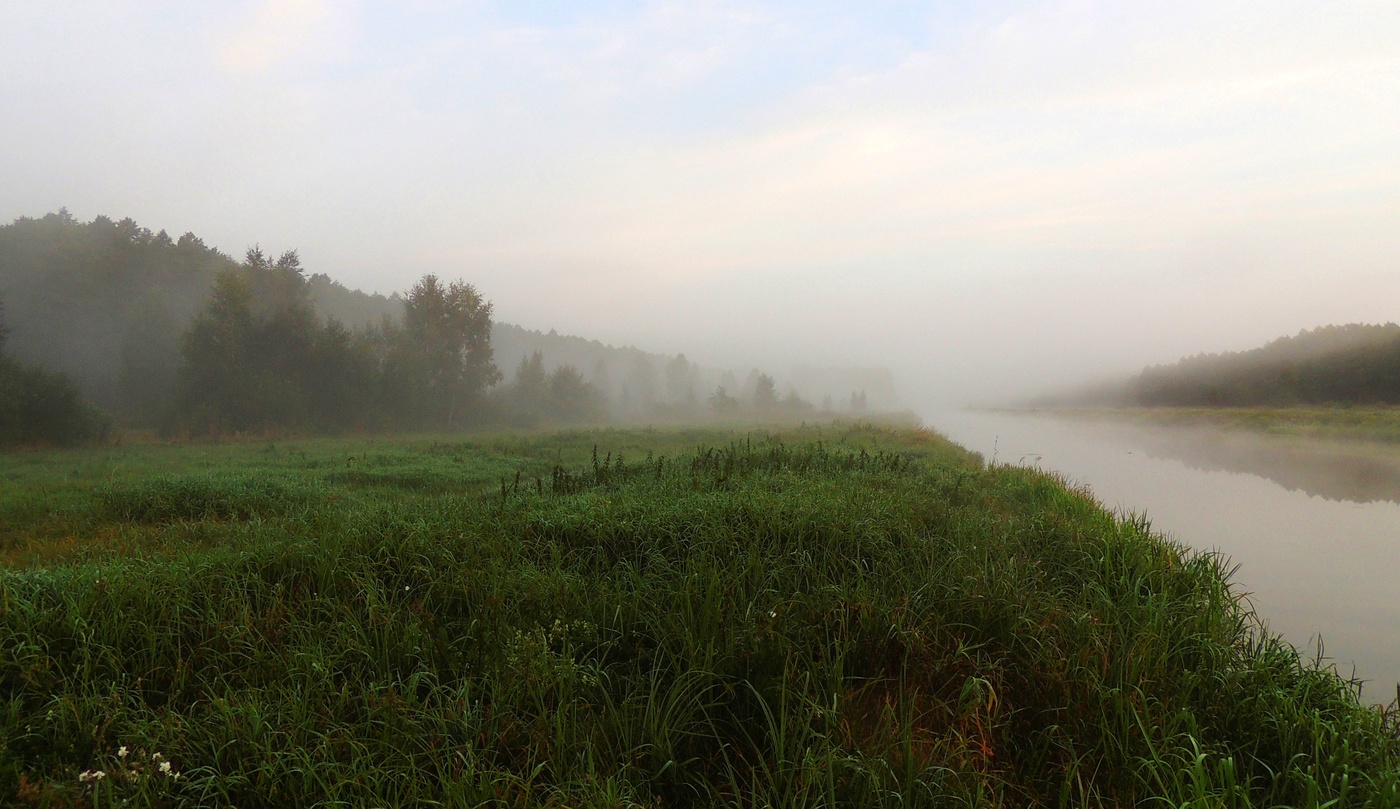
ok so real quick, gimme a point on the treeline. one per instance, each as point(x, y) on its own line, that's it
point(259, 357)
point(640, 385)
point(1350, 364)
point(170, 333)
point(104, 303)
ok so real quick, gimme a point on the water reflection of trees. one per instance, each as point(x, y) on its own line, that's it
point(1334, 470)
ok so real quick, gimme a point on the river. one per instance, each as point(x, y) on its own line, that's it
point(1313, 526)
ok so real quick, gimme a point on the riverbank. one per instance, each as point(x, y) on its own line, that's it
point(836, 615)
point(1372, 425)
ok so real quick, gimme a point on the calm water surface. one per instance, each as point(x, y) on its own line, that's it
point(1313, 526)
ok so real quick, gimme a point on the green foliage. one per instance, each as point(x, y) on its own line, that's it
point(681, 380)
point(214, 391)
point(334, 301)
point(571, 398)
point(107, 303)
point(763, 404)
point(42, 408)
point(145, 328)
point(444, 358)
point(258, 358)
point(37, 407)
point(561, 396)
point(836, 616)
point(1351, 364)
point(85, 298)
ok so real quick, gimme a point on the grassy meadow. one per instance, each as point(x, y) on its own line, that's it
point(836, 615)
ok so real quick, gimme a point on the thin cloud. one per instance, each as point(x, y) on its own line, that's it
point(279, 32)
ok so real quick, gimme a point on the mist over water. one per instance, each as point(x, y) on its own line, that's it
point(1314, 527)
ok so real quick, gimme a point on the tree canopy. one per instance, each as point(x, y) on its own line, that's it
point(445, 354)
point(171, 333)
point(1349, 364)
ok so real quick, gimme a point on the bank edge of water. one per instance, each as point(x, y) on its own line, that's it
point(1376, 426)
point(876, 617)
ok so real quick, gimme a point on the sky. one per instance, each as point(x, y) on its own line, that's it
point(989, 198)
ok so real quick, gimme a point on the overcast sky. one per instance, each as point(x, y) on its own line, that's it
point(986, 197)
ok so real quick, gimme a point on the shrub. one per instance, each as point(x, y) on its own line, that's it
point(38, 407)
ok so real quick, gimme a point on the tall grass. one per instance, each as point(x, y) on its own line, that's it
point(828, 617)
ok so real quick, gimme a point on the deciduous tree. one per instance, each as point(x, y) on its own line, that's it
point(448, 334)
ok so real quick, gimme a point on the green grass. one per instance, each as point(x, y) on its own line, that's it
point(1377, 425)
point(824, 616)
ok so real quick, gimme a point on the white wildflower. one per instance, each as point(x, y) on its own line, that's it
point(91, 776)
point(165, 767)
point(122, 751)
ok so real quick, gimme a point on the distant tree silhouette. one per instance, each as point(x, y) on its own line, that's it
point(641, 383)
point(601, 379)
point(571, 398)
point(793, 404)
point(217, 385)
point(765, 394)
point(680, 381)
point(722, 403)
point(527, 397)
point(1351, 364)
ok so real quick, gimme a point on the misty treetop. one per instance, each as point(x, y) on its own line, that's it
point(443, 356)
point(259, 357)
point(104, 303)
point(561, 396)
point(172, 333)
point(1349, 364)
point(639, 385)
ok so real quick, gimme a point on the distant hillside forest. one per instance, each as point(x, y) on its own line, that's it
point(1350, 364)
point(167, 333)
point(1353, 364)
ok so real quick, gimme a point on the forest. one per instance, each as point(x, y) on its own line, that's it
point(1350, 365)
point(112, 325)
point(1353, 364)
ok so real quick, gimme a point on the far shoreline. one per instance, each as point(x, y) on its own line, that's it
point(1361, 424)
